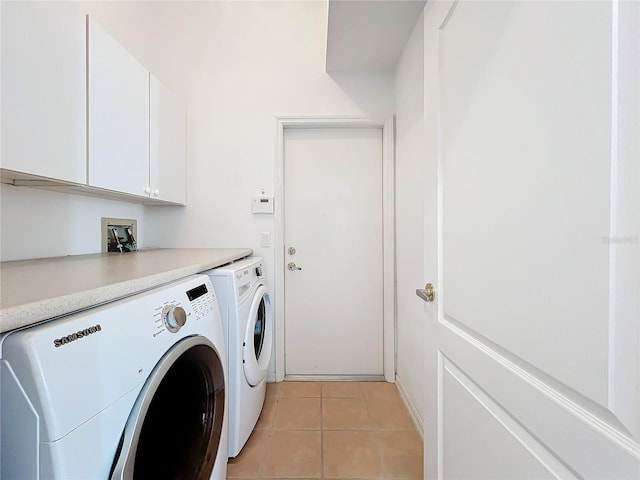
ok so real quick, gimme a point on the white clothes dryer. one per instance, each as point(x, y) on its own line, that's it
point(247, 317)
point(135, 388)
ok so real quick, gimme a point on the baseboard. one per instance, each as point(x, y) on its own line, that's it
point(413, 411)
point(271, 377)
point(334, 378)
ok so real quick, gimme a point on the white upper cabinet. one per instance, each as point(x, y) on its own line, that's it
point(168, 144)
point(118, 116)
point(81, 114)
point(137, 127)
point(44, 90)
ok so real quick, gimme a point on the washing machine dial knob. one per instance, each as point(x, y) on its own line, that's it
point(174, 317)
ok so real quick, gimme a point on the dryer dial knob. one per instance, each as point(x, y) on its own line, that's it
point(174, 317)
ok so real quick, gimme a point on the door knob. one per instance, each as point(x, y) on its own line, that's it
point(428, 293)
point(431, 291)
point(292, 267)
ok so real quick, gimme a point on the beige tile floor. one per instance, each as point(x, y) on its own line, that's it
point(335, 430)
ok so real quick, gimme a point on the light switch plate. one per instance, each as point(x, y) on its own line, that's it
point(265, 239)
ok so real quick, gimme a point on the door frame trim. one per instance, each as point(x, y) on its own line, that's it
point(388, 231)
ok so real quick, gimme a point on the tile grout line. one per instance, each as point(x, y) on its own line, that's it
point(373, 432)
point(269, 435)
point(321, 430)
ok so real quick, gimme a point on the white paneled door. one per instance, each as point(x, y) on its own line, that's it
point(333, 245)
point(532, 231)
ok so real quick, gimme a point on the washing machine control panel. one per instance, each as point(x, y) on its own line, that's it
point(175, 314)
point(202, 300)
point(173, 317)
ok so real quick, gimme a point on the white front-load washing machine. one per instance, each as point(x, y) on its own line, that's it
point(135, 388)
point(245, 306)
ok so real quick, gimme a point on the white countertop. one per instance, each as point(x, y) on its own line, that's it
point(35, 290)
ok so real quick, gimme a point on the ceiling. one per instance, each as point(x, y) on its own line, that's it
point(369, 35)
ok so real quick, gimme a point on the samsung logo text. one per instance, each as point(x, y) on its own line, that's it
point(58, 342)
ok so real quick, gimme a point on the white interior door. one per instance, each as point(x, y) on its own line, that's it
point(533, 342)
point(333, 220)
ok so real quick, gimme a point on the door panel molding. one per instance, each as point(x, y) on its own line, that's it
point(517, 225)
point(553, 418)
point(624, 301)
point(452, 379)
point(388, 201)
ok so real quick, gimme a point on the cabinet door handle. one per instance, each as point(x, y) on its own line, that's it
point(147, 189)
point(156, 192)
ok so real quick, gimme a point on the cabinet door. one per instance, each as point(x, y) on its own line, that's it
point(168, 144)
point(44, 89)
point(118, 116)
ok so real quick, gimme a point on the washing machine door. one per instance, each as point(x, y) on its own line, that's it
point(175, 426)
point(258, 339)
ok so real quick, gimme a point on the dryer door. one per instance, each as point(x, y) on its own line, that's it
point(258, 338)
point(175, 426)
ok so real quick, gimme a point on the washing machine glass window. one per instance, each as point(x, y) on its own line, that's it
point(256, 352)
point(258, 330)
point(174, 429)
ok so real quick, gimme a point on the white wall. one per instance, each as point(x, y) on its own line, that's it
point(41, 223)
point(410, 181)
point(238, 65)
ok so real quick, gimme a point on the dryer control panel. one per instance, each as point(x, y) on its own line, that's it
point(247, 277)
